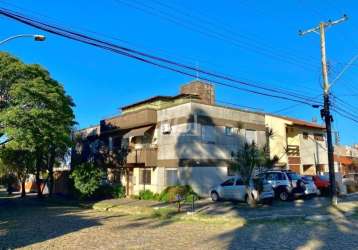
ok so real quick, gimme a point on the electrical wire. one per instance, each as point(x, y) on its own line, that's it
point(207, 31)
point(130, 53)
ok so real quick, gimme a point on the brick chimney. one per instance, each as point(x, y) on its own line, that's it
point(205, 91)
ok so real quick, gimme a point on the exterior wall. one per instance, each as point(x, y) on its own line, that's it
point(277, 142)
point(205, 91)
point(202, 179)
point(312, 151)
point(204, 139)
point(286, 133)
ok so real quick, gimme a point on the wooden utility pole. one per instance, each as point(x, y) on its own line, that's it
point(325, 112)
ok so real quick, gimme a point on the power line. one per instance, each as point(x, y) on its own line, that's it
point(207, 31)
point(200, 17)
point(141, 56)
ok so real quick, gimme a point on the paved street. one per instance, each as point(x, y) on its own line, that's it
point(30, 224)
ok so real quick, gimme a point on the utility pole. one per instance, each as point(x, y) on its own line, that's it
point(325, 112)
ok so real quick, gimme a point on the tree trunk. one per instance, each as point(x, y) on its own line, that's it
point(23, 191)
point(38, 181)
point(51, 163)
point(50, 180)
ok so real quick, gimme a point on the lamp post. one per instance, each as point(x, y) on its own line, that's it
point(37, 38)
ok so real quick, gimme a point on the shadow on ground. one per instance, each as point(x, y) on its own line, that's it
point(25, 221)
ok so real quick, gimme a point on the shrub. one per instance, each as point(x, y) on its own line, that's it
point(148, 195)
point(87, 178)
point(105, 191)
point(170, 193)
point(119, 191)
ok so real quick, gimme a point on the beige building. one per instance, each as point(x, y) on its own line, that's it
point(299, 145)
point(188, 139)
point(183, 139)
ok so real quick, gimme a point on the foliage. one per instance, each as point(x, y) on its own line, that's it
point(148, 195)
point(169, 194)
point(87, 179)
point(35, 111)
point(119, 191)
point(250, 158)
point(17, 163)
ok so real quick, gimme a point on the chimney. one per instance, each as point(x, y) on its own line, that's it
point(204, 91)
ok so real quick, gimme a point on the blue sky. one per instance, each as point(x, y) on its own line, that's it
point(255, 41)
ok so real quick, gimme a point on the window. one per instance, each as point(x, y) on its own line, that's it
point(208, 133)
point(319, 137)
point(250, 136)
point(239, 182)
point(271, 176)
point(229, 182)
point(305, 135)
point(171, 177)
point(145, 176)
point(229, 130)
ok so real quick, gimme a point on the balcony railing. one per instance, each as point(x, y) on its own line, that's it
point(146, 156)
point(293, 150)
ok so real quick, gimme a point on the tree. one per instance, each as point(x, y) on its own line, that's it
point(17, 162)
point(36, 113)
point(250, 159)
point(86, 178)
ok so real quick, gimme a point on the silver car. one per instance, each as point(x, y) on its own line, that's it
point(234, 189)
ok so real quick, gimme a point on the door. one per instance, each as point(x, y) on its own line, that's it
point(129, 180)
point(228, 189)
point(239, 192)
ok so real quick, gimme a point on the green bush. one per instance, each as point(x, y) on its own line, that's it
point(170, 193)
point(105, 191)
point(119, 191)
point(148, 195)
point(87, 179)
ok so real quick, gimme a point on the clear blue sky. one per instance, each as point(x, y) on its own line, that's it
point(258, 41)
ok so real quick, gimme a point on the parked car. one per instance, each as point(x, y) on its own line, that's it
point(311, 188)
point(234, 189)
point(351, 181)
point(321, 182)
point(286, 184)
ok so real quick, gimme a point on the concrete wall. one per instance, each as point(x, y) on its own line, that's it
point(193, 140)
point(312, 151)
point(277, 141)
point(202, 179)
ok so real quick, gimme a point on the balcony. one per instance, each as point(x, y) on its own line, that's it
point(146, 156)
point(293, 150)
point(131, 120)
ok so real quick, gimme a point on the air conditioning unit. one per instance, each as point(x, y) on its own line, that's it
point(166, 129)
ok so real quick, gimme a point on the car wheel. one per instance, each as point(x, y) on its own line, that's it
point(214, 196)
point(283, 195)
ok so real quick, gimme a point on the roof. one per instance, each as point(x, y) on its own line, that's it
point(299, 122)
point(137, 132)
point(157, 98)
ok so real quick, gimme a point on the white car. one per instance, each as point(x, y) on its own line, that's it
point(234, 189)
point(310, 187)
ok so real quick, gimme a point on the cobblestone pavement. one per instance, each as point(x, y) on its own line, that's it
point(36, 226)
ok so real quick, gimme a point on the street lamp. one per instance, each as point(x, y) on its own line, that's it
point(37, 38)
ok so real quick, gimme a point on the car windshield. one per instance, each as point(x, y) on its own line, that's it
point(293, 176)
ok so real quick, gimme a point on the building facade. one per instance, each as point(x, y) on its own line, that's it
point(187, 139)
point(299, 145)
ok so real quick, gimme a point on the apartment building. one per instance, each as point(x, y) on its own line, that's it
point(346, 159)
point(299, 145)
point(188, 139)
point(182, 139)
